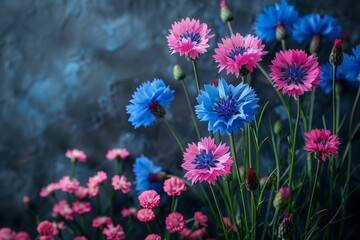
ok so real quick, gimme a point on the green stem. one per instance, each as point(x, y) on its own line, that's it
point(267, 215)
point(312, 197)
point(276, 219)
point(148, 227)
point(230, 27)
point(334, 100)
point(118, 166)
point(98, 203)
point(72, 171)
point(249, 144)
point(253, 205)
point(191, 109)
point(283, 44)
point(293, 145)
point(219, 212)
point(173, 134)
point(196, 75)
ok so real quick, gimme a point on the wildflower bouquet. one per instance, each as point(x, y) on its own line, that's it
point(303, 194)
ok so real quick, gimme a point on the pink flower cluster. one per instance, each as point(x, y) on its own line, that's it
point(117, 153)
point(120, 183)
point(8, 234)
point(76, 155)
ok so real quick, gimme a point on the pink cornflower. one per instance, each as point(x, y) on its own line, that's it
point(21, 236)
point(149, 199)
point(228, 223)
point(76, 155)
point(49, 189)
point(47, 230)
point(94, 182)
point(238, 54)
point(128, 212)
point(80, 238)
point(120, 183)
point(81, 207)
point(7, 234)
point(145, 215)
point(153, 237)
point(101, 221)
point(175, 222)
point(322, 143)
point(63, 209)
point(118, 153)
point(294, 72)
point(114, 232)
point(68, 185)
point(189, 37)
point(205, 161)
point(200, 219)
point(174, 186)
point(193, 235)
point(81, 192)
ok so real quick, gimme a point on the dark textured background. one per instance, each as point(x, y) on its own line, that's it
point(68, 69)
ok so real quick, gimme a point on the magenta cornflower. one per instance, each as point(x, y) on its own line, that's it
point(47, 230)
point(294, 72)
point(322, 143)
point(76, 155)
point(239, 54)
point(63, 209)
point(49, 189)
point(189, 37)
point(68, 185)
point(200, 219)
point(175, 222)
point(153, 237)
point(145, 215)
point(206, 161)
point(114, 232)
point(128, 212)
point(101, 221)
point(174, 186)
point(120, 183)
point(149, 199)
point(118, 153)
point(81, 207)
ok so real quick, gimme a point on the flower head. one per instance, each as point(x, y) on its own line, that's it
point(143, 169)
point(200, 219)
point(351, 64)
point(149, 199)
point(101, 221)
point(322, 143)
point(63, 209)
point(49, 189)
point(294, 72)
point(153, 237)
point(128, 212)
point(47, 229)
point(117, 153)
point(174, 186)
point(189, 37)
point(205, 161)
point(68, 185)
point(21, 236)
point(193, 234)
point(81, 207)
point(286, 227)
point(251, 180)
point(175, 222)
point(76, 155)
point(282, 197)
point(327, 78)
point(145, 215)
point(148, 103)
point(81, 192)
point(120, 183)
point(114, 232)
point(275, 22)
point(226, 107)
point(7, 234)
point(238, 54)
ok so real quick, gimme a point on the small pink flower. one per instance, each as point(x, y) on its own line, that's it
point(81, 192)
point(238, 52)
point(98, 179)
point(294, 72)
point(174, 186)
point(145, 215)
point(63, 209)
point(49, 189)
point(175, 222)
point(322, 143)
point(22, 236)
point(189, 37)
point(114, 232)
point(228, 222)
point(128, 212)
point(206, 161)
point(101, 221)
point(80, 238)
point(59, 225)
point(149, 199)
point(153, 237)
point(7, 234)
point(193, 235)
point(68, 185)
point(76, 155)
point(46, 228)
point(93, 190)
point(120, 153)
point(120, 183)
point(201, 219)
point(81, 207)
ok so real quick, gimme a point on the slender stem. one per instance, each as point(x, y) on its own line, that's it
point(293, 145)
point(98, 203)
point(283, 44)
point(190, 108)
point(230, 27)
point(72, 171)
point(148, 227)
point(173, 134)
point(109, 197)
point(334, 100)
point(276, 219)
point(253, 205)
point(249, 144)
point(196, 75)
point(118, 166)
point(312, 197)
point(267, 215)
point(219, 212)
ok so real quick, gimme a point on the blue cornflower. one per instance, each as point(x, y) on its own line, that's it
point(276, 21)
point(352, 64)
point(226, 107)
point(312, 25)
point(327, 77)
point(148, 103)
point(147, 175)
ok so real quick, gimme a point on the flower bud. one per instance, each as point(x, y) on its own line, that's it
point(178, 72)
point(278, 127)
point(225, 13)
point(281, 33)
point(336, 55)
point(251, 180)
point(157, 110)
point(242, 171)
point(315, 45)
point(282, 198)
point(286, 227)
point(157, 177)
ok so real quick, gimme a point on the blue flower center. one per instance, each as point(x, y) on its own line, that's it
point(193, 37)
point(236, 52)
point(205, 160)
point(226, 107)
point(295, 74)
